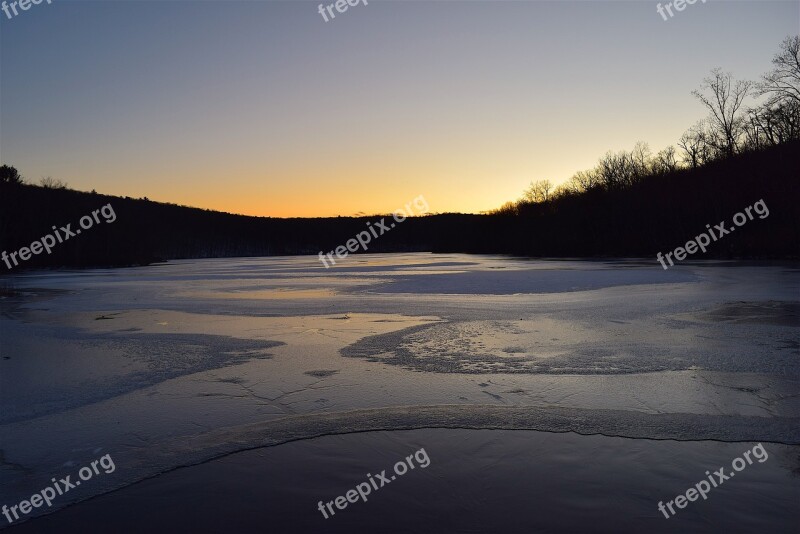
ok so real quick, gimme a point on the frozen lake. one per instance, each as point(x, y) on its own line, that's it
point(174, 365)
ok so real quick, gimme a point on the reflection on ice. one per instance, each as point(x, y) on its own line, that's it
point(171, 364)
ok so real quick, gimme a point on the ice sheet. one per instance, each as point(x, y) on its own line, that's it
point(173, 364)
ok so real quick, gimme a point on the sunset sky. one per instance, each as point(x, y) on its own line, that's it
point(263, 108)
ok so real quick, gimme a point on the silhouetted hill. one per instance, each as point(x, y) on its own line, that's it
point(663, 212)
point(658, 214)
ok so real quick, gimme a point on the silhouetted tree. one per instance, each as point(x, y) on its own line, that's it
point(509, 208)
point(623, 169)
point(777, 120)
point(585, 180)
point(695, 145)
point(10, 175)
point(724, 100)
point(640, 160)
point(51, 183)
point(665, 161)
point(783, 81)
point(538, 192)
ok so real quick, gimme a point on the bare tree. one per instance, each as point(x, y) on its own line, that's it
point(538, 191)
point(509, 208)
point(611, 170)
point(724, 100)
point(695, 145)
point(783, 81)
point(771, 125)
point(622, 169)
point(640, 159)
point(563, 190)
point(51, 183)
point(584, 180)
point(786, 118)
point(665, 161)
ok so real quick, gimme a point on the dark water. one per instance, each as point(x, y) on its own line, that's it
point(476, 481)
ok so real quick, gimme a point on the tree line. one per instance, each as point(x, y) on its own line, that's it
point(731, 128)
point(631, 204)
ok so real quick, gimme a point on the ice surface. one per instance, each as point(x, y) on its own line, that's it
point(492, 481)
point(174, 364)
